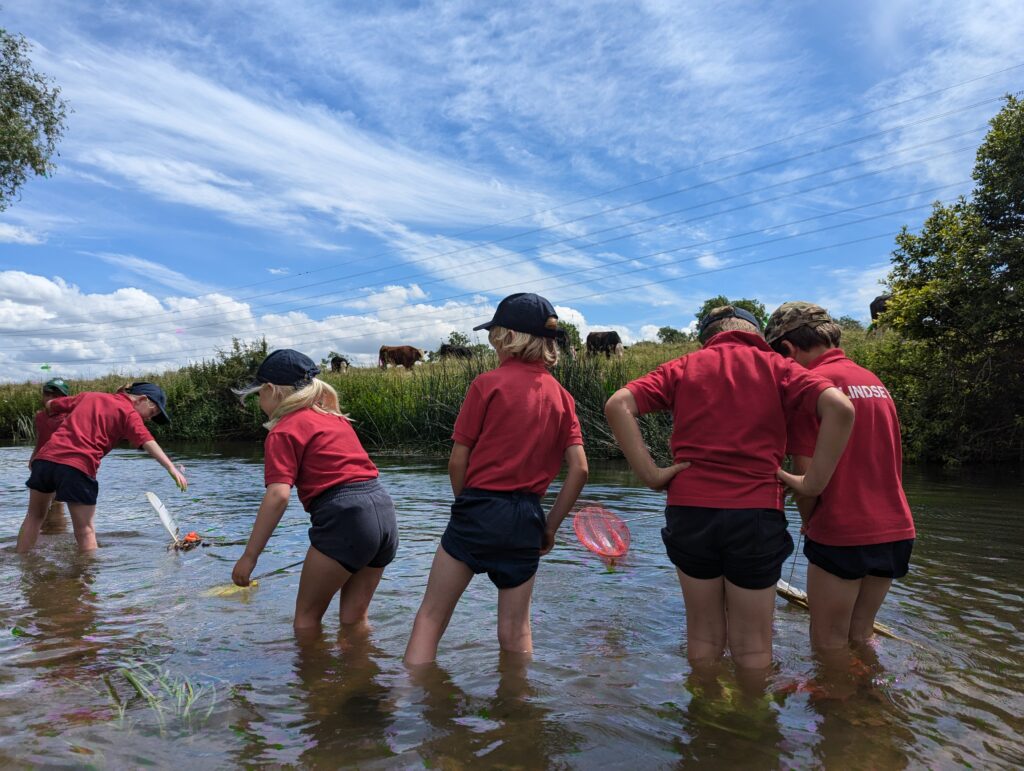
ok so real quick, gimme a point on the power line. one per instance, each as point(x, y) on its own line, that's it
point(219, 319)
point(576, 220)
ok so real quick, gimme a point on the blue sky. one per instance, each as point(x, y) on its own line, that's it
point(337, 177)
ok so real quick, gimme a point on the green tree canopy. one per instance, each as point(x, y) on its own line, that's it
point(572, 334)
point(31, 116)
point(754, 306)
point(957, 293)
point(671, 336)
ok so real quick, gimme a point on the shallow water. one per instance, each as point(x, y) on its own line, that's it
point(608, 685)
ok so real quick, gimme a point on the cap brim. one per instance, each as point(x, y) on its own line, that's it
point(162, 417)
point(486, 325)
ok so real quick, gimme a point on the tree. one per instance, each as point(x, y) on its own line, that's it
point(849, 324)
point(672, 336)
point(957, 294)
point(572, 334)
point(457, 338)
point(754, 306)
point(32, 118)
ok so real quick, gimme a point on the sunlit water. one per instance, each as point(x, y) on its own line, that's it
point(608, 685)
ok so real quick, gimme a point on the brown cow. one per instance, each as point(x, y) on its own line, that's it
point(399, 356)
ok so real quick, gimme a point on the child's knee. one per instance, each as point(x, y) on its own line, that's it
point(512, 632)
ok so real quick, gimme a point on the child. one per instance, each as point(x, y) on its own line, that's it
point(311, 446)
point(515, 427)
point(725, 529)
point(67, 464)
point(46, 424)
point(859, 529)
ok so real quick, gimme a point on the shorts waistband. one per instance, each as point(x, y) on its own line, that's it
point(508, 495)
point(346, 489)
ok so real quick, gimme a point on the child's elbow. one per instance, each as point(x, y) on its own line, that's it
point(616, 403)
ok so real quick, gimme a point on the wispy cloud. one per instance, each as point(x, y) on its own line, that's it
point(12, 234)
point(154, 272)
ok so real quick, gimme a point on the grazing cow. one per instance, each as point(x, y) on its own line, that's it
point(604, 342)
point(454, 351)
point(338, 363)
point(878, 305)
point(399, 356)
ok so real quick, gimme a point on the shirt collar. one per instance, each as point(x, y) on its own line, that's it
point(735, 337)
point(832, 354)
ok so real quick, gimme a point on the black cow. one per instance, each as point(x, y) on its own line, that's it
point(338, 363)
point(604, 342)
point(454, 351)
point(879, 304)
point(399, 355)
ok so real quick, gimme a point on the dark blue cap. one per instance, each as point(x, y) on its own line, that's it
point(287, 368)
point(726, 312)
point(526, 312)
point(156, 395)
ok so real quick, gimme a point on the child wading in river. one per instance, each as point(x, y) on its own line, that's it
point(859, 531)
point(725, 530)
point(311, 446)
point(514, 430)
point(65, 467)
point(46, 424)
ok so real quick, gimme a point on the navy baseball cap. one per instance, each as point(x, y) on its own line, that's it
point(287, 367)
point(726, 312)
point(526, 312)
point(156, 395)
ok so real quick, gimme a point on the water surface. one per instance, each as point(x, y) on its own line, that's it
point(608, 685)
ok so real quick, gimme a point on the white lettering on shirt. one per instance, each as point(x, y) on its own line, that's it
point(867, 392)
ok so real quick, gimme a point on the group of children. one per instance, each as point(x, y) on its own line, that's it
point(739, 405)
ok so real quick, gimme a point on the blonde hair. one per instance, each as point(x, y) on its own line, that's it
point(524, 346)
point(318, 395)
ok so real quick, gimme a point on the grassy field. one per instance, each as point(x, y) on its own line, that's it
point(392, 410)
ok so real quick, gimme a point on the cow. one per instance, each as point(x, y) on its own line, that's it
point(454, 351)
point(399, 356)
point(338, 363)
point(878, 306)
point(604, 342)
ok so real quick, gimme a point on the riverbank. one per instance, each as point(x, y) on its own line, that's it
point(413, 411)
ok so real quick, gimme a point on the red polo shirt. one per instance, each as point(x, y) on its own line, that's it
point(313, 451)
point(518, 421)
point(45, 426)
point(730, 402)
point(864, 502)
point(95, 423)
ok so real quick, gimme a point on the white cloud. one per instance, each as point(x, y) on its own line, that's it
point(709, 261)
point(278, 271)
point(154, 272)
point(12, 234)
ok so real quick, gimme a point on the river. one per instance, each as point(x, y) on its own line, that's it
point(98, 653)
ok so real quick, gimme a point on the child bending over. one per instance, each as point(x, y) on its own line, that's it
point(311, 446)
point(515, 428)
point(65, 467)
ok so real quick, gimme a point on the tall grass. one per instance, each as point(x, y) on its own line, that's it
point(397, 411)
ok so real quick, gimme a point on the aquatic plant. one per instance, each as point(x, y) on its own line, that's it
point(168, 695)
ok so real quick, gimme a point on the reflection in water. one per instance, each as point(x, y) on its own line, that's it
point(510, 730)
point(346, 709)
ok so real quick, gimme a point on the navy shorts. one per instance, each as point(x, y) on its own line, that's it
point(355, 525)
point(69, 484)
point(747, 546)
point(883, 560)
point(497, 533)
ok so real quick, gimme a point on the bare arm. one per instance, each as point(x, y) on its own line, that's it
point(458, 462)
point(275, 501)
point(160, 457)
point(621, 411)
point(837, 415)
point(804, 503)
point(575, 479)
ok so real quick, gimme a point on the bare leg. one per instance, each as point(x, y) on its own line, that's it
point(870, 598)
point(514, 633)
point(750, 613)
point(831, 601)
point(56, 519)
point(705, 618)
point(356, 595)
point(448, 580)
point(321, 579)
point(81, 519)
point(38, 503)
